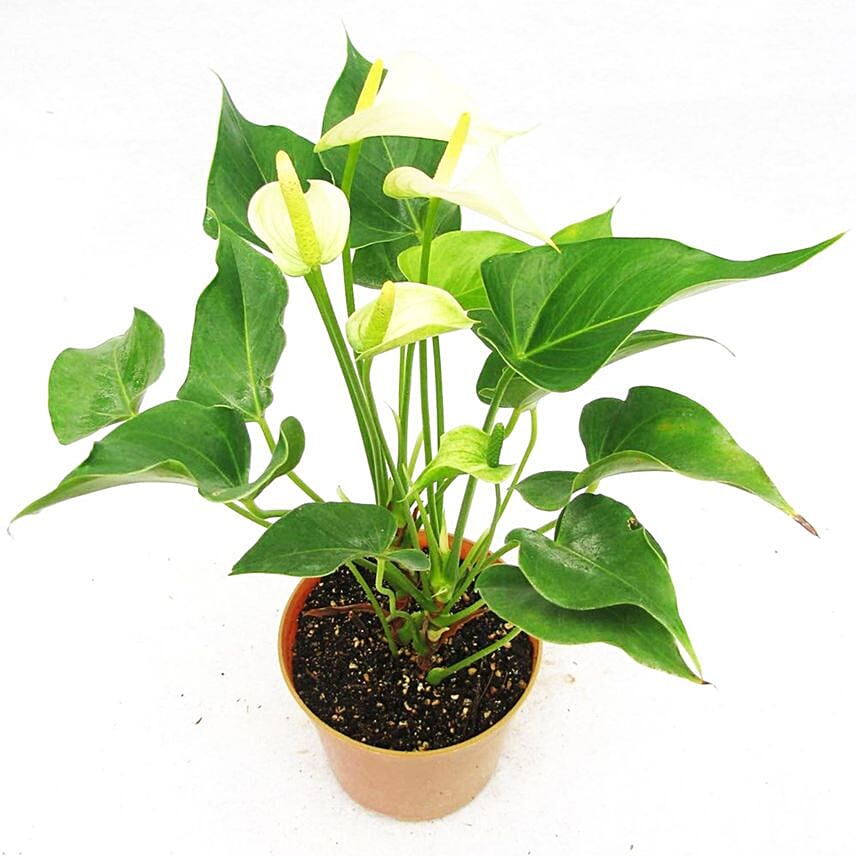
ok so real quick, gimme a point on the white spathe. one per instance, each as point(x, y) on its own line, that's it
point(484, 190)
point(405, 312)
point(415, 100)
point(328, 209)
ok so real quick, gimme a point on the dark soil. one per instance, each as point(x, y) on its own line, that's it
point(345, 673)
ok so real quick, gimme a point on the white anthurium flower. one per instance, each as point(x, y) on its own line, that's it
point(484, 190)
point(415, 100)
point(404, 312)
point(303, 230)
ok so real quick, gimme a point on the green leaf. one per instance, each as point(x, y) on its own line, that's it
point(510, 595)
point(646, 340)
point(244, 160)
point(93, 387)
point(548, 491)
point(658, 430)
point(237, 334)
point(455, 263)
point(404, 312)
point(376, 217)
point(378, 263)
point(519, 393)
point(601, 557)
point(317, 538)
point(178, 441)
point(599, 226)
point(410, 560)
point(465, 449)
point(558, 317)
point(284, 458)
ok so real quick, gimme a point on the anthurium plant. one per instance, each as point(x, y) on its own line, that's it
point(383, 191)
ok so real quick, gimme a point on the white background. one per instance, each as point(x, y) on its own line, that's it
point(729, 126)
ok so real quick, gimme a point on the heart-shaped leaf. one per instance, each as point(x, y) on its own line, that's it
point(317, 538)
point(510, 595)
point(284, 458)
point(244, 160)
point(178, 441)
point(455, 263)
point(465, 449)
point(93, 387)
point(237, 334)
point(655, 429)
point(556, 318)
point(376, 217)
point(601, 557)
point(548, 491)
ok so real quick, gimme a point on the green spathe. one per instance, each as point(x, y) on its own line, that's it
point(317, 538)
point(465, 449)
point(90, 388)
point(405, 312)
point(455, 263)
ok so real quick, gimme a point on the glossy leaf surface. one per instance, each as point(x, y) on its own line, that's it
point(178, 441)
point(317, 538)
point(558, 317)
point(655, 429)
point(237, 334)
point(90, 388)
point(601, 557)
point(548, 491)
point(510, 595)
point(244, 160)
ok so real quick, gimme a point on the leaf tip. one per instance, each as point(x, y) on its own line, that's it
point(806, 525)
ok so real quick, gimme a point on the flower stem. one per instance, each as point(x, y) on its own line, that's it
point(318, 288)
point(313, 495)
point(347, 262)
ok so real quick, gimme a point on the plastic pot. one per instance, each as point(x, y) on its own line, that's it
point(405, 785)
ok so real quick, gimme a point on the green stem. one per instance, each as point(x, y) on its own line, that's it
point(436, 675)
point(387, 630)
point(315, 281)
point(405, 382)
point(469, 491)
point(445, 619)
point(347, 262)
point(248, 514)
point(401, 486)
point(395, 612)
point(316, 497)
point(533, 439)
point(263, 424)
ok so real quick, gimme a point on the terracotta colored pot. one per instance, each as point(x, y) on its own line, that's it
point(405, 785)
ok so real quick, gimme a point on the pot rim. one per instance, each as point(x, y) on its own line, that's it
point(401, 753)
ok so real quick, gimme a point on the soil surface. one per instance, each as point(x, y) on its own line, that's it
point(345, 673)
